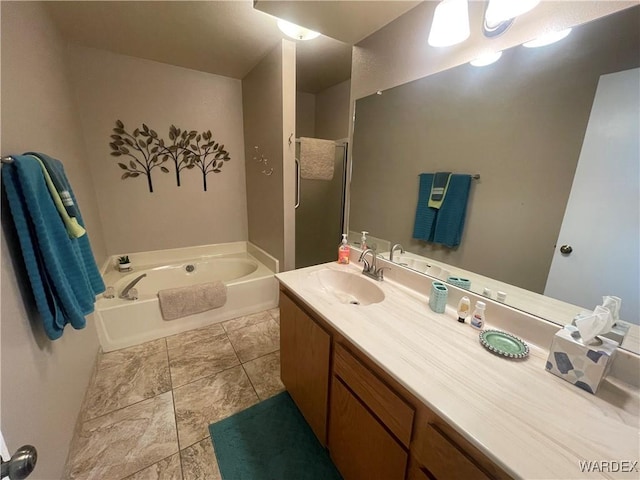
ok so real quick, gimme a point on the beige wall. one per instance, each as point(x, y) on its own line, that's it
point(268, 100)
point(43, 382)
point(332, 112)
point(110, 86)
point(305, 114)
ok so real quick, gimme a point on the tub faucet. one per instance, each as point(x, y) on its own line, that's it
point(393, 249)
point(125, 291)
point(370, 269)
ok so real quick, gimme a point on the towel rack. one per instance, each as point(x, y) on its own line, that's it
point(475, 176)
point(337, 144)
point(7, 159)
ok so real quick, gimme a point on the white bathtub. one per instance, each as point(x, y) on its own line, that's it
point(251, 288)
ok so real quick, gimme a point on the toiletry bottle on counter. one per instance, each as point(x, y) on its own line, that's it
point(477, 318)
point(463, 309)
point(363, 241)
point(343, 251)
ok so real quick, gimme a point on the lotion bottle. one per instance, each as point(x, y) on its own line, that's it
point(477, 318)
point(343, 251)
point(363, 241)
point(463, 309)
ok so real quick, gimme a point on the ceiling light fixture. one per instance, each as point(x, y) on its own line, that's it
point(499, 11)
point(547, 39)
point(450, 23)
point(296, 31)
point(486, 59)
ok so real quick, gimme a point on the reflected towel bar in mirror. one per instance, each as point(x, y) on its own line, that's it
point(475, 176)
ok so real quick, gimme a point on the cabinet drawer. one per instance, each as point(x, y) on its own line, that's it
point(444, 458)
point(391, 409)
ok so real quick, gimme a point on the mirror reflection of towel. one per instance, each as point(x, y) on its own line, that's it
point(444, 225)
point(439, 189)
point(317, 157)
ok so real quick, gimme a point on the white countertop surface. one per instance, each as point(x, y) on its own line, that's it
point(530, 422)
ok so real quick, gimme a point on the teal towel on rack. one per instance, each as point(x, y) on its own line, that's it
point(56, 172)
point(425, 215)
point(62, 271)
point(444, 226)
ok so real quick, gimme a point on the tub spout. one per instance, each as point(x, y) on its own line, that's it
point(125, 291)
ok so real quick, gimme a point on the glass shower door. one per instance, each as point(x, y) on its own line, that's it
point(319, 215)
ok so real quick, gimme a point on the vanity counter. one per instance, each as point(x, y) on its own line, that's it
point(529, 422)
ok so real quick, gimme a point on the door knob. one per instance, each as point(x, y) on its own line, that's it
point(21, 464)
point(566, 249)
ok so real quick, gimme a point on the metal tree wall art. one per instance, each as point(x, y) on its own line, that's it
point(188, 150)
point(144, 155)
point(208, 156)
point(176, 151)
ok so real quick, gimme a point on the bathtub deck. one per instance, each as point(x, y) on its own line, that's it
point(148, 407)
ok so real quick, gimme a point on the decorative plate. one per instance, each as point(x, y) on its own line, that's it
point(503, 343)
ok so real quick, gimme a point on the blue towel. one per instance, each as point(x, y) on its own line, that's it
point(62, 271)
point(445, 225)
point(425, 215)
point(56, 172)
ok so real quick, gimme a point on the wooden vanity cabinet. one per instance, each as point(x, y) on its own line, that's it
point(373, 427)
point(305, 350)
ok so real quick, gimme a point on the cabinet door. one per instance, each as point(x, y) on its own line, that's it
point(304, 358)
point(288, 343)
point(359, 445)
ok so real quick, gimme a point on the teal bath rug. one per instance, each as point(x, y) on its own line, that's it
point(270, 441)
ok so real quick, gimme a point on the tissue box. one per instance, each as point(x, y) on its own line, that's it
point(583, 365)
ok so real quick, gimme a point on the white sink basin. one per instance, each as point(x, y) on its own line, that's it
point(350, 288)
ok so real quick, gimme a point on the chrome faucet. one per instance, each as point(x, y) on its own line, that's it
point(370, 269)
point(393, 249)
point(125, 291)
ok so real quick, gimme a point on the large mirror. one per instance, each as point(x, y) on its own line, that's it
point(521, 124)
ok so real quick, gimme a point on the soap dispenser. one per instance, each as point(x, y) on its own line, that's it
point(343, 251)
point(363, 241)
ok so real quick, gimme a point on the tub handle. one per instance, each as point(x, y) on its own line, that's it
point(125, 291)
point(297, 184)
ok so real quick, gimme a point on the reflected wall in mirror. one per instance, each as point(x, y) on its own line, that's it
point(520, 123)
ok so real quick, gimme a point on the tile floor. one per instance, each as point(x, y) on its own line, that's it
point(149, 406)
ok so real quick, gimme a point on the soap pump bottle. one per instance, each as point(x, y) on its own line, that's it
point(463, 309)
point(363, 241)
point(477, 318)
point(343, 251)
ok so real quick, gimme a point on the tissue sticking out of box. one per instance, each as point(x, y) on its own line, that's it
point(613, 305)
point(599, 322)
point(596, 323)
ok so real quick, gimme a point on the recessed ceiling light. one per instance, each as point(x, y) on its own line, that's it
point(547, 39)
point(450, 23)
point(486, 59)
point(295, 31)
